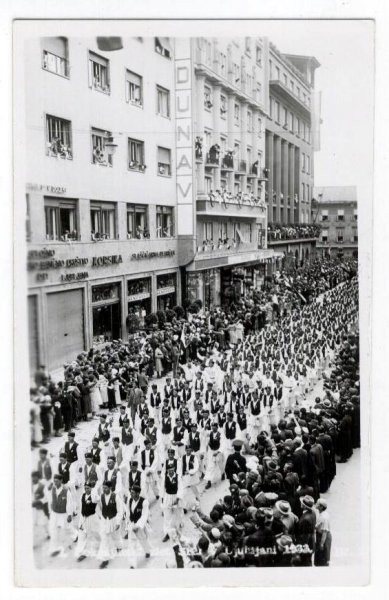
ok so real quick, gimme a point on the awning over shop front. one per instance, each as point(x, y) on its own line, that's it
point(217, 259)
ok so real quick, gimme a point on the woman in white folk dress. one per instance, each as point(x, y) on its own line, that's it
point(95, 396)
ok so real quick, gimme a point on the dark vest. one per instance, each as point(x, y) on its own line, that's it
point(255, 406)
point(171, 462)
point(143, 456)
point(194, 441)
point(113, 478)
point(71, 453)
point(155, 400)
point(136, 514)
point(166, 425)
point(171, 486)
point(63, 469)
point(242, 421)
point(104, 434)
point(151, 434)
point(109, 511)
point(178, 434)
point(214, 440)
point(127, 437)
point(96, 455)
point(187, 465)
point(92, 477)
point(58, 501)
point(44, 469)
point(88, 508)
point(230, 430)
point(134, 479)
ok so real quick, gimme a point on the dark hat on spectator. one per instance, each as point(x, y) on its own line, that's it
point(71, 434)
point(42, 450)
point(58, 476)
point(136, 488)
point(237, 444)
point(88, 455)
point(62, 455)
point(272, 465)
point(134, 463)
point(107, 484)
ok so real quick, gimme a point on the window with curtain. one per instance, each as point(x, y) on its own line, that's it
point(165, 221)
point(55, 55)
point(164, 161)
point(99, 73)
point(137, 221)
point(136, 155)
point(103, 221)
point(61, 219)
point(58, 137)
point(99, 153)
point(163, 102)
point(162, 46)
point(134, 92)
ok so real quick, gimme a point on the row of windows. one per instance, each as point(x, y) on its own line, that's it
point(340, 215)
point(61, 218)
point(54, 60)
point(300, 216)
point(340, 237)
point(218, 231)
point(275, 74)
point(238, 111)
point(59, 144)
point(283, 116)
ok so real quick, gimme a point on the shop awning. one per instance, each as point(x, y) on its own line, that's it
point(212, 260)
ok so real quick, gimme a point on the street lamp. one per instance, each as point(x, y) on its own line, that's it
point(110, 145)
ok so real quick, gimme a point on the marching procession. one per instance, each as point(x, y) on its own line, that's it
point(256, 420)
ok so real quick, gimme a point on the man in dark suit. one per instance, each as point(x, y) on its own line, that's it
point(305, 533)
point(236, 463)
point(70, 448)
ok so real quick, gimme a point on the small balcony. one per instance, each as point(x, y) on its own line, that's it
point(211, 159)
point(227, 162)
point(240, 166)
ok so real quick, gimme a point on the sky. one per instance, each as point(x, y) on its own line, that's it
point(345, 51)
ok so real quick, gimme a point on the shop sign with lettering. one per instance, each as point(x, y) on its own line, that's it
point(147, 254)
point(48, 189)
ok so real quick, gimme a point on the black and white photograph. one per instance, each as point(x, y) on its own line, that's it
point(189, 207)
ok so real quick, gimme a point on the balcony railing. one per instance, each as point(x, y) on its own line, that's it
point(224, 198)
point(211, 159)
point(227, 161)
point(221, 247)
point(293, 232)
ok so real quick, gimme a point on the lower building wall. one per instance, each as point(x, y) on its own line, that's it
point(66, 319)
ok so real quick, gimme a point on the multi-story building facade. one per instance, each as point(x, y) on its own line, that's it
point(229, 220)
point(291, 138)
point(336, 210)
point(101, 191)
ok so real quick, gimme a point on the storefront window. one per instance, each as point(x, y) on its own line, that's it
point(106, 313)
point(139, 298)
point(166, 291)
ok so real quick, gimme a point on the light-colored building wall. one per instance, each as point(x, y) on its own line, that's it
point(132, 270)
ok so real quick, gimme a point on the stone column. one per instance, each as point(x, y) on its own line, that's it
point(285, 178)
point(291, 181)
point(270, 166)
point(277, 174)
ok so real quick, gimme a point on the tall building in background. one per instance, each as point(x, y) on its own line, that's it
point(101, 191)
point(292, 135)
point(228, 119)
point(335, 208)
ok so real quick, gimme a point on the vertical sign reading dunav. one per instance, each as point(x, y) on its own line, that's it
point(184, 138)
